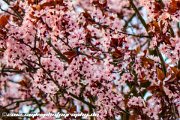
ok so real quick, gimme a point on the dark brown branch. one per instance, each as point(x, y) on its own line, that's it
point(162, 61)
point(130, 19)
point(138, 14)
point(57, 51)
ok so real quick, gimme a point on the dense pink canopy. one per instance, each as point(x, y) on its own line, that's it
point(116, 58)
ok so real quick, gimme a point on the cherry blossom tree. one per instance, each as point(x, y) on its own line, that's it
point(116, 58)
